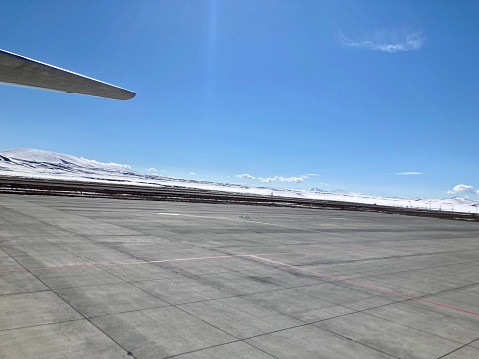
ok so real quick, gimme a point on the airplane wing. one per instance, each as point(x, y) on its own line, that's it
point(19, 70)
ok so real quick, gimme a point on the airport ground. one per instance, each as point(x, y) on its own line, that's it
point(109, 278)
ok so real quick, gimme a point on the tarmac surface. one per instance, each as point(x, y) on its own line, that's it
point(104, 278)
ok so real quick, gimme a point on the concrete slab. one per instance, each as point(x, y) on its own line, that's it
point(311, 267)
point(191, 268)
point(418, 278)
point(3, 254)
point(240, 264)
point(22, 240)
point(108, 256)
point(18, 282)
point(449, 300)
point(74, 340)
point(433, 320)
point(181, 290)
point(298, 305)
point(464, 272)
point(87, 247)
point(117, 240)
point(466, 352)
point(351, 297)
point(29, 309)
point(27, 249)
point(395, 339)
point(312, 342)
point(137, 272)
point(66, 238)
point(236, 350)
point(9, 264)
point(284, 277)
point(106, 299)
point(466, 294)
point(160, 333)
point(37, 260)
point(75, 277)
point(418, 283)
point(239, 317)
point(238, 283)
point(373, 287)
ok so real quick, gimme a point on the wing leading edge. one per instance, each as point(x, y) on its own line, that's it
point(19, 70)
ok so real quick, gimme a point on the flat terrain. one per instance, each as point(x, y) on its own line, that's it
point(105, 278)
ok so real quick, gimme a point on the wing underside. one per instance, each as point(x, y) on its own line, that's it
point(19, 70)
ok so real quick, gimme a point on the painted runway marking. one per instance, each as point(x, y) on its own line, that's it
point(94, 265)
point(170, 214)
point(257, 257)
point(253, 255)
point(258, 222)
point(364, 285)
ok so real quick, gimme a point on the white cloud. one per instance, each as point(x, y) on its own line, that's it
point(281, 179)
point(192, 173)
point(409, 173)
point(273, 179)
point(307, 175)
point(386, 41)
point(245, 175)
point(109, 164)
point(152, 169)
point(462, 188)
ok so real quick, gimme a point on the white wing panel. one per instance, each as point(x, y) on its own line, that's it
point(16, 69)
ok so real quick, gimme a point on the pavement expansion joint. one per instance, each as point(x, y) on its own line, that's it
point(204, 280)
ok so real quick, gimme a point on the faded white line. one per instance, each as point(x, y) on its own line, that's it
point(259, 222)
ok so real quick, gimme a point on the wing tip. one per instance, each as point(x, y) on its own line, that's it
point(68, 81)
point(128, 95)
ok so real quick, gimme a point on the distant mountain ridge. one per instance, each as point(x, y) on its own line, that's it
point(34, 163)
point(39, 163)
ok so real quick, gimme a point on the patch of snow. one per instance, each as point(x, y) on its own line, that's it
point(49, 165)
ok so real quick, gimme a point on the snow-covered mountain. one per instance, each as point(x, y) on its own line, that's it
point(34, 163)
point(49, 165)
point(30, 161)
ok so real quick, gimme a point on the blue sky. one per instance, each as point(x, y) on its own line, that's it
point(351, 95)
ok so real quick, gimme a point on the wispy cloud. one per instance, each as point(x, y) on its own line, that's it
point(281, 179)
point(109, 164)
point(272, 179)
point(408, 173)
point(192, 173)
point(152, 169)
point(463, 189)
point(307, 175)
point(386, 41)
point(246, 176)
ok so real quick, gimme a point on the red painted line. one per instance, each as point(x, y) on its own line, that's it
point(364, 285)
point(13, 270)
point(180, 259)
point(81, 266)
point(112, 264)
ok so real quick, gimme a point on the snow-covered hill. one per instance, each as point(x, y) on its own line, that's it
point(44, 164)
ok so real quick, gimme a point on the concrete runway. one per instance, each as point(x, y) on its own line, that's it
point(99, 278)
